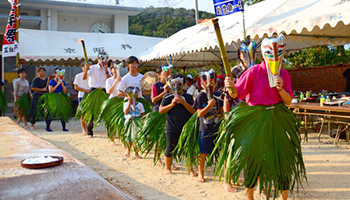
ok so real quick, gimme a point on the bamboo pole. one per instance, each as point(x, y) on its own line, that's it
point(17, 33)
point(223, 53)
point(84, 50)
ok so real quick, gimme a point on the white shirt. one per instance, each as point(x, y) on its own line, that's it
point(78, 80)
point(109, 83)
point(97, 76)
point(133, 113)
point(192, 91)
point(129, 80)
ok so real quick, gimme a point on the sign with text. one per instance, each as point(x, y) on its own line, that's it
point(227, 7)
point(10, 46)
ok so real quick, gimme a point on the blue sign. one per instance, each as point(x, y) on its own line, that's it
point(226, 7)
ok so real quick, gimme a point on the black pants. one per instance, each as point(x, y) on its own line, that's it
point(49, 120)
point(171, 141)
point(90, 126)
point(33, 107)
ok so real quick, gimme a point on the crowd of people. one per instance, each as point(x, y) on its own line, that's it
point(243, 123)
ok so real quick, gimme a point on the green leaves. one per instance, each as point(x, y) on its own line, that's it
point(112, 116)
point(90, 107)
point(131, 132)
point(23, 104)
point(187, 148)
point(264, 140)
point(3, 103)
point(146, 105)
point(56, 105)
point(152, 134)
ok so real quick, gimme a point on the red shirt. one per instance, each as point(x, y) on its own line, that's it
point(254, 86)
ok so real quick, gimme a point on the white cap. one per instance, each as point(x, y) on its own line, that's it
point(189, 76)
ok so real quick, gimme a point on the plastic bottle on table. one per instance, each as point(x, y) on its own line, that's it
point(322, 100)
point(328, 99)
point(301, 96)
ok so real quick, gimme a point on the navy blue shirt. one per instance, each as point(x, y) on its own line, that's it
point(53, 83)
point(209, 123)
point(178, 115)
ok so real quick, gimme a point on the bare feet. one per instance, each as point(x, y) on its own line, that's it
point(32, 128)
point(84, 133)
point(160, 163)
point(168, 172)
point(26, 127)
point(89, 136)
point(175, 168)
point(137, 157)
point(192, 173)
point(200, 179)
point(228, 187)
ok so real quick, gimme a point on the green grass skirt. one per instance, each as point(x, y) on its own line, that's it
point(3, 103)
point(152, 134)
point(187, 148)
point(90, 107)
point(264, 139)
point(23, 105)
point(112, 116)
point(56, 105)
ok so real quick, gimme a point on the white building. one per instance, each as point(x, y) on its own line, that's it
point(66, 16)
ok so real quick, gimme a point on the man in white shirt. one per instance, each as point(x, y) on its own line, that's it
point(96, 76)
point(82, 86)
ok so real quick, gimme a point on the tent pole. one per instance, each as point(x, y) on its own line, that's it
point(244, 33)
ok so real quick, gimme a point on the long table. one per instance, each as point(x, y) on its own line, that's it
point(339, 113)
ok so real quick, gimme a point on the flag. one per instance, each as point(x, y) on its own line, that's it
point(226, 7)
point(10, 46)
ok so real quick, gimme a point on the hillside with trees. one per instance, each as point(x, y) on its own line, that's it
point(164, 22)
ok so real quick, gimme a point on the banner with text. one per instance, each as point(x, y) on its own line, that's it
point(227, 7)
point(10, 46)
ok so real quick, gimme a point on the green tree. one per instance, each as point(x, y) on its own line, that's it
point(251, 2)
point(318, 56)
point(163, 22)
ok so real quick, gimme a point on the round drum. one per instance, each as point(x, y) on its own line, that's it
point(148, 79)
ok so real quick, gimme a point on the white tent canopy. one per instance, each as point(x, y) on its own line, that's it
point(46, 46)
point(321, 21)
point(306, 24)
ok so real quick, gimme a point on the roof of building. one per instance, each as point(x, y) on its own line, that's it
point(76, 7)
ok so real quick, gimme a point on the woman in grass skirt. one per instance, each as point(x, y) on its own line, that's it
point(22, 97)
point(56, 104)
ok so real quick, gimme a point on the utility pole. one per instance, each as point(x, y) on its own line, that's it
point(196, 11)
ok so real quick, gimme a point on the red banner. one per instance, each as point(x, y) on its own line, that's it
point(10, 46)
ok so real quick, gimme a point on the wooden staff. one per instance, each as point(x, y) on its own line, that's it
point(223, 53)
